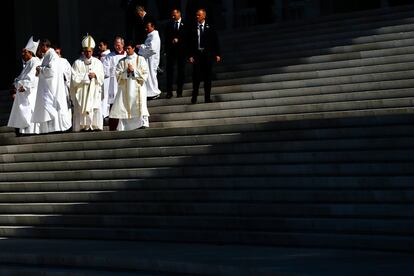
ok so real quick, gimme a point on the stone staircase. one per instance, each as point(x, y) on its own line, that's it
point(309, 143)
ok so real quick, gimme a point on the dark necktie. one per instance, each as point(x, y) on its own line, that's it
point(202, 42)
point(176, 26)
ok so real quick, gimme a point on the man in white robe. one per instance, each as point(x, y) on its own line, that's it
point(103, 52)
point(86, 89)
point(26, 88)
point(110, 62)
point(66, 69)
point(130, 105)
point(150, 50)
point(51, 108)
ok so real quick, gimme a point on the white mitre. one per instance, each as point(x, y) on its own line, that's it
point(32, 45)
point(88, 42)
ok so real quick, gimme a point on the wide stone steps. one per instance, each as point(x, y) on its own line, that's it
point(331, 209)
point(309, 142)
point(347, 54)
point(381, 110)
point(231, 146)
point(316, 83)
point(357, 40)
point(369, 126)
point(309, 64)
point(339, 53)
point(239, 183)
point(236, 170)
point(325, 240)
point(218, 195)
point(318, 157)
point(319, 25)
point(315, 73)
point(333, 225)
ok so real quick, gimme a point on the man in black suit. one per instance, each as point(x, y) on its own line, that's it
point(174, 45)
point(130, 17)
point(141, 23)
point(204, 51)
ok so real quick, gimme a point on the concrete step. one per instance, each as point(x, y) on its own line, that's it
point(281, 224)
point(267, 145)
point(277, 99)
point(368, 137)
point(382, 111)
point(119, 162)
point(280, 33)
point(338, 169)
point(325, 48)
point(300, 42)
point(236, 183)
point(279, 68)
point(291, 129)
point(50, 270)
point(198, 259)
point(315, 90)
point(227, 97)
point(321, 73)
point(379, 210)
point(310, 57)
point(334, 107)
point(349, 20)
point(208, 195)
point(321, 240)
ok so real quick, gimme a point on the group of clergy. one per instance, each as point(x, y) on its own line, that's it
point(52, 96)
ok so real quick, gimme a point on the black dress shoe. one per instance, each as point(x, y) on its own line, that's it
point(193, 100)
point(169, 96)
point(208, 101)
point(179, 95)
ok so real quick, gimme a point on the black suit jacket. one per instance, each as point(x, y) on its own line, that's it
point(171, 34)
point(211, 42)
point(140, 33)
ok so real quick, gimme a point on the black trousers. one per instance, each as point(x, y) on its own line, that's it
point(202, 71)
point(175, 59)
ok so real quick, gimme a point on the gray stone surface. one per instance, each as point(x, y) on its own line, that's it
point(198, 259)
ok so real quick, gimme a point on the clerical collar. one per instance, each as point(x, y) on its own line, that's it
point(120, 53)
point(87, 61)
point(131, 56)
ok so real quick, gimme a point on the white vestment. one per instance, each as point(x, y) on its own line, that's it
point(66, 69)
point(130, 105)
point(24, 102)
point(150, 50)
point(110, 62)
point(86, 94)
point(105, 94)
point(51, 108)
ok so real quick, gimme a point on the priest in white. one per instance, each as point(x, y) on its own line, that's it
point(103, 52)
point(26, 89)
point(51, 108)
point(130, 105)
point(110, 62)
point(87, 89)
point(150, 50)
point(66, 70)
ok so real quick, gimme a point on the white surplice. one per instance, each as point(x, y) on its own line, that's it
point(66, 70)
point(24, 102)
point(110, 62)
point(105, 94)
point(130, 105)
point(51, 108)
point(150, 50)
point(86, 94)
